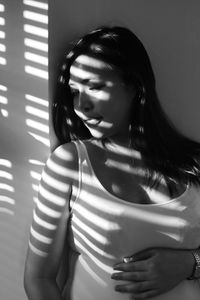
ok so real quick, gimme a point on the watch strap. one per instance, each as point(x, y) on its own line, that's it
point(196, 270)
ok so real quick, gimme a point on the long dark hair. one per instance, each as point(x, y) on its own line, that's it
point(166, 152)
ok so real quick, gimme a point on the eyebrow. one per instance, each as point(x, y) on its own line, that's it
point(83, 81)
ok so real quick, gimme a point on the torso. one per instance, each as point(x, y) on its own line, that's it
point(123, 179)
point(103, 229)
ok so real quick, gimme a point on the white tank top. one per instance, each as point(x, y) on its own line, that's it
point(104, 229)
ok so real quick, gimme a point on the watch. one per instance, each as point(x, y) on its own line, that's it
point(196, 271)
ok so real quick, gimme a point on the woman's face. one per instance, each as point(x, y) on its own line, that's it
point(101, 98)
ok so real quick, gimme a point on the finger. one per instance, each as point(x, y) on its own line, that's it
point(130, 276)
point(144, 254)
point(144, 295)
point(136, 287)
point(130, 267)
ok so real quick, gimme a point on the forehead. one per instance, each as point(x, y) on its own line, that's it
point(91, 61)
point(87, 67)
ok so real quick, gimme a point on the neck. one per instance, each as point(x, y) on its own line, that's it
point(119, 145)
point(123, 140)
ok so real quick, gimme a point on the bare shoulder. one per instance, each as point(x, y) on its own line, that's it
point(63, 161)
point(67, 153)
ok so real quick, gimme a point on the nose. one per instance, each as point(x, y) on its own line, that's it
point(85, 104)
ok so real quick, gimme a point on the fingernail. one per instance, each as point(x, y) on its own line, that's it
point(117, 288)
point(128, 259)
point(114, 276)
point(116, 266)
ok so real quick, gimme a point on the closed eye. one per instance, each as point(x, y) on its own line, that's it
point(97, 87)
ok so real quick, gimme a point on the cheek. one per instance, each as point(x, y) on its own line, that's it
point(121, 111)
point(99, 95)
point(75, 105)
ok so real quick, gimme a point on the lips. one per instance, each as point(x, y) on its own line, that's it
point(93, 121)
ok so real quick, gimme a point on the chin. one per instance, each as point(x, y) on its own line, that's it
point(97, 134)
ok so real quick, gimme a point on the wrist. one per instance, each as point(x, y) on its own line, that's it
point(185, 263)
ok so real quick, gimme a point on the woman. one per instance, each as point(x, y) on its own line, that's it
point(120, 201)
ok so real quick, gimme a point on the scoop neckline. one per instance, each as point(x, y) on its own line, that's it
point(124, 201)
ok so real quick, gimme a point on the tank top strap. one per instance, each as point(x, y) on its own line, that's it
point(82, 152)
point(82, 156)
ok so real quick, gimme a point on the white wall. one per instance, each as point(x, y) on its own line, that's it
point(20, 138)
point(170, 31)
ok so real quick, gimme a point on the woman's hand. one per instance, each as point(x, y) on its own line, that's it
point(153, 271)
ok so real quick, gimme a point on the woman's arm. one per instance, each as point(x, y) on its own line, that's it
point(49, 225)
point(154, 271)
